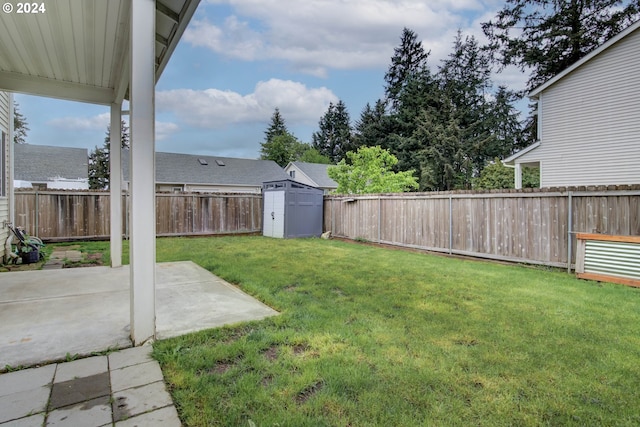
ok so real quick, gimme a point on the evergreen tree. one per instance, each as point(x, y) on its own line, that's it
point(547, 37)
point(445, 163)
point(465, 80)
point(99, 171)
point(421, 94)
point(371, 129)
point(311, 155)
point(279, 144)
point(276, 127)
point(20, 125)
point(282, 149)
point(333, 139)
point(409, 59)
point(504, 122)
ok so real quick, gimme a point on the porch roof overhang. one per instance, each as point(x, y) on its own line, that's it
point(79, 49)
point(511, 160)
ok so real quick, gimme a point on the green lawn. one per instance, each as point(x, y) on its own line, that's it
point(376, 337)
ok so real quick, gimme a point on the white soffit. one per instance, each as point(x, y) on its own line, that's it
point(79, 49)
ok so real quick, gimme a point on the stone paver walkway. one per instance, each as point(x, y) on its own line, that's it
point(125, 388)
point(57, 258)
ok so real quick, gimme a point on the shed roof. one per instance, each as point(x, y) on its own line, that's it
point(317, 172)
point(177, 168)
point(41, 163)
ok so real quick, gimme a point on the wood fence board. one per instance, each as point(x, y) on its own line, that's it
point(67, 215)
point(532, 227)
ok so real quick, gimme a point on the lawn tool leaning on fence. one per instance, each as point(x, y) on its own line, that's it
point(27, 248)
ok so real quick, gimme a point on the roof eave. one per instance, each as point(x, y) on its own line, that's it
point(521, 153)
point(185, 16)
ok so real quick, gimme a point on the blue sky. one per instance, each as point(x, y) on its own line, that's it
point(240, 59)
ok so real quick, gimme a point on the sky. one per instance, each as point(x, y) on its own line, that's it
point(238, 60)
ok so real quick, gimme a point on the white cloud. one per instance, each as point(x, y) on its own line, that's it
point(216, 109)
point(165, 129)
point(317, 35)
point(101, 121)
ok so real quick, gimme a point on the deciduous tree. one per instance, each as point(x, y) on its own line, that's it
point(370, 170)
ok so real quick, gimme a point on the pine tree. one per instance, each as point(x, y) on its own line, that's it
point(282, 149)
point(20, 125)
point(504, 122)
point(333, 139)
point(276, 127)
point(547, 37)
point(279, 144)
point(446, 164)
point(371, 128)
point(409, 59)
point(99, 167)
point(465, 80)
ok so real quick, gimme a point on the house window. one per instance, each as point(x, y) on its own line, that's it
point(292, 174)
point(3, 164)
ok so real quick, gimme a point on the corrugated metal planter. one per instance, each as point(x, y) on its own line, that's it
point(609, 258)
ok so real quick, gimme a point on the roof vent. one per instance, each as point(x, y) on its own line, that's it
point(203, 162)
point(219, 162)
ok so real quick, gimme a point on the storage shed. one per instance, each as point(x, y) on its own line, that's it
point(291, 209)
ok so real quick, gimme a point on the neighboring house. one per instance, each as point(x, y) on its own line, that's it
point(314, 174)
point(589, 119)
point(6, 103)
point(209, 174)
point(44, 167)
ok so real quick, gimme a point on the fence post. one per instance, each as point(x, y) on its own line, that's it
point(36, 231)
point(379, 218)
point(450, 224)
point(333, 215)
point(193, 213)
point(569, 231)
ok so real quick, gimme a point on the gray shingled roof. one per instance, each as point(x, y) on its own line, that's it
point(176, 168)
point(40, 163)
point(318, 173)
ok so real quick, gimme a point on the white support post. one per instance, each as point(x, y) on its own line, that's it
point(518, 176)
point(142, 171)
point(115, 185)
point(11, 171)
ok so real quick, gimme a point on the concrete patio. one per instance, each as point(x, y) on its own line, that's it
point(45, 315)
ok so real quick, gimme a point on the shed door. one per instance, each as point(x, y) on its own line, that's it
point(273, 219)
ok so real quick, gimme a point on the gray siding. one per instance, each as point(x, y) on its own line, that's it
point(590, 121)
point(4, 200)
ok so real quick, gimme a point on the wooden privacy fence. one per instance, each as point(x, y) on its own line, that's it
point(76, 215)
point(535, 226)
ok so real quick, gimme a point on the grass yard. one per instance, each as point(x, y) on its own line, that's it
point(376, 337)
